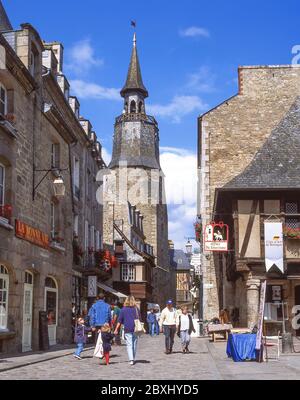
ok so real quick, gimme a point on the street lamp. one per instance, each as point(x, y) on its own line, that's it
point(59, 187)
point(189, 248)
point(58, 183)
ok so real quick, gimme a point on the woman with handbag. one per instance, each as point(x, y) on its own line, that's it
point(130, 317)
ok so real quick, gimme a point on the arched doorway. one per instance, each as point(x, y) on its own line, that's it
point(51, 307)
point(4, 287)
point(27, 312)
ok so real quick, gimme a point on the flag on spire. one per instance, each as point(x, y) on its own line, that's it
point(133, 23)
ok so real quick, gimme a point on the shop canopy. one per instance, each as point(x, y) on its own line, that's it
point(111, 290)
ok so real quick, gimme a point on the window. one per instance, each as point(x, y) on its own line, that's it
point(88, 184)
point(4, 284)
point(55, 156)
point(98, 240)
point(290, 209)
point(3, 100)
point(32, 62)
point(76, 189)
point(2, 184)
point(53, 220)
point(28, 278)
point(86, 235)
point(92, 237)
point(75, 229)
point(133, 107)
point(141, 107)
point(51, 300)
point(128, 273)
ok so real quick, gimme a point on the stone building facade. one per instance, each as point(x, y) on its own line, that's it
point(136, 178)
point(248, 172)
point(40, 135)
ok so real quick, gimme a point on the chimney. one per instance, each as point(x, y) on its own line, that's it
point(74, 104)
point(171, 245)
point(58, 50)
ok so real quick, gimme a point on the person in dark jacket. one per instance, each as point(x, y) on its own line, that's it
point(107, 338)
point(151, 319)
point(185, 327)
point(80, 337)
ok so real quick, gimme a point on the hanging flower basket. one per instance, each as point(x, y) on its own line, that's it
point(291, 233)
point(198, 231)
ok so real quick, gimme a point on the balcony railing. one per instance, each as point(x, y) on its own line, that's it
point(6, 213)
point(136, 117)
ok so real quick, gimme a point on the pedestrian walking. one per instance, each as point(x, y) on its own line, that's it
point(115, 319)
point(99, 314)
point(151, 320)
point(168, 325)
point(128, 317)
point(185, 327)
point(107, 338)
point(80, 337)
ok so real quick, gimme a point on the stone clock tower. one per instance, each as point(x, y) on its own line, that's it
point(136, 178)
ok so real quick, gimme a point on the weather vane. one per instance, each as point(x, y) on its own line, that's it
point(133, 24)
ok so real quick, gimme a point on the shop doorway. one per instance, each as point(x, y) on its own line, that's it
point(297, 303)
point(51, 307)
point(27, 313)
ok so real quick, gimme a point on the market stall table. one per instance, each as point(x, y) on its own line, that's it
point(219, 329)
point(241, 347)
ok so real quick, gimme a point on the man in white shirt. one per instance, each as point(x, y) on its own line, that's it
point(167, 324)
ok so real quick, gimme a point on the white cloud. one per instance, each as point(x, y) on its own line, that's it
point(89, 90)
point(179, 107)
point(181, 176)
point(81, 57)
point(194, 31)
point(203, 80)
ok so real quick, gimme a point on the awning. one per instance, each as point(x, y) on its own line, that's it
point(111, 290)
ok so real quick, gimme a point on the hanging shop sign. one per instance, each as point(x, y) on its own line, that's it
point(92, 286)
point(216, 237)
point(274, 245)
point(32, 235)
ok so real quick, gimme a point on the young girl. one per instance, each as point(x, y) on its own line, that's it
point(107, 338)
point(80, 337)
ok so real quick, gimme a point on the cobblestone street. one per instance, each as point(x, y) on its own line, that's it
point(208, 361)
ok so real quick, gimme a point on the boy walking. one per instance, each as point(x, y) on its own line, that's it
point(80, 337)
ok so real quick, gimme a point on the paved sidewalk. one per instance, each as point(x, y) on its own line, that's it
point(208, 361)
point(23, 360)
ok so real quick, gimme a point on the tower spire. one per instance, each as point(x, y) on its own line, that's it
point(134, 81)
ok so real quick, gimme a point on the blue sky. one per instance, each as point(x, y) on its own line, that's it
point(189, 53)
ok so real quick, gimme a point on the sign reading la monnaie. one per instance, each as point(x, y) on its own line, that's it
point(32, 235)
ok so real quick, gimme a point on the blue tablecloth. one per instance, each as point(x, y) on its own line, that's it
point(241, 347)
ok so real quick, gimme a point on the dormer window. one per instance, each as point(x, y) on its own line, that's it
point(33, 61)
point(3, 100)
